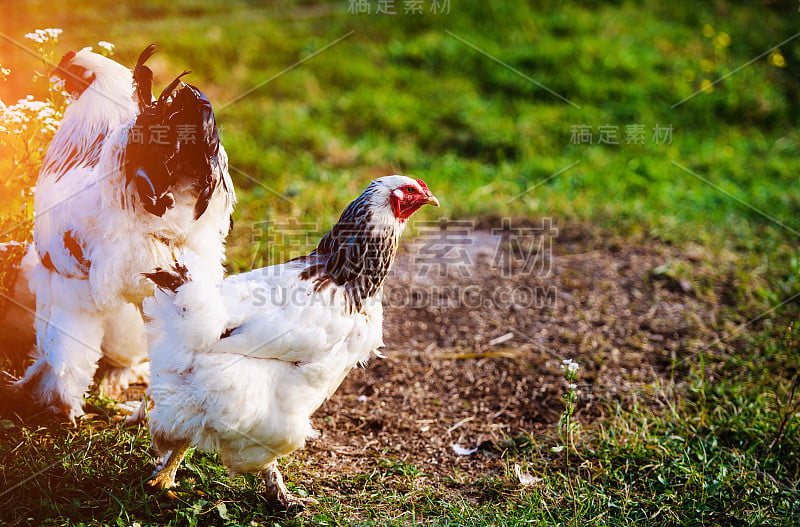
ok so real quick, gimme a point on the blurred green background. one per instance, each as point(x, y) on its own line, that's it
point(408, 93)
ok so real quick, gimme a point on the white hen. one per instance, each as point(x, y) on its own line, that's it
point(126, 184)
point(240, 367)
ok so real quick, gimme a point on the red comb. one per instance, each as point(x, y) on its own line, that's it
point(422, 184)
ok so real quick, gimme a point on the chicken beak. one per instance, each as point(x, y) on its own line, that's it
point(431, 200)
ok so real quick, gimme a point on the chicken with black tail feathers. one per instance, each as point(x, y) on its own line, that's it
point(174, 144)
point(127, 182)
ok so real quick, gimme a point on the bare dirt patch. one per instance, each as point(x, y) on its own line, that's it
point(474, 345)
point(472, 364)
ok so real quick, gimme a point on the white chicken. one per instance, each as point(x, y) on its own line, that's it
point(239, 367)
point(127, 183)
point(123, 346)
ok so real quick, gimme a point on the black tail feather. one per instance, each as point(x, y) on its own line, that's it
point(166, 92)
point(145, 55)
point(143, 78)
point(201, 204)
point(176, 148)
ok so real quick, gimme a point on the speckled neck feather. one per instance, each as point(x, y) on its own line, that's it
point(356, 254)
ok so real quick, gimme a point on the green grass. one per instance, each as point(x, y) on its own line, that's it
point(711, 455)
point(401, 94)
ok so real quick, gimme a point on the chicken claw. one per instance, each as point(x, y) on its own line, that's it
point(164, 479)
point(279, 495)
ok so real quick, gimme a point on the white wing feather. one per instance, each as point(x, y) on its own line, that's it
point(250, 394)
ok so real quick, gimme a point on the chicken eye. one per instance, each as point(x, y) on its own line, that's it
point(409, 189)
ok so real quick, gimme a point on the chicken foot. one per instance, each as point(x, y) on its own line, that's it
point(164, 479)
point(277, 492)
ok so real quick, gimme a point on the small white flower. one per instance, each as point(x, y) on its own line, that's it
point(572, 386)
point(43, 35)
point(36, 37)
point(569, 365)
point(108, 46)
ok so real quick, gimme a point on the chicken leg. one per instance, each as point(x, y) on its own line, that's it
point(165, 477)
point(68, 345)
point(278, 494)
point(125, 359)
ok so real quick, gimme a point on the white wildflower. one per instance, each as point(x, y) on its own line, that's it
point(45, 112)
point(56, 83)
point(569, 365)
point(28, 110)
point(108, 46)
point(572, 386)
point(43, 35)
point(36, 37)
